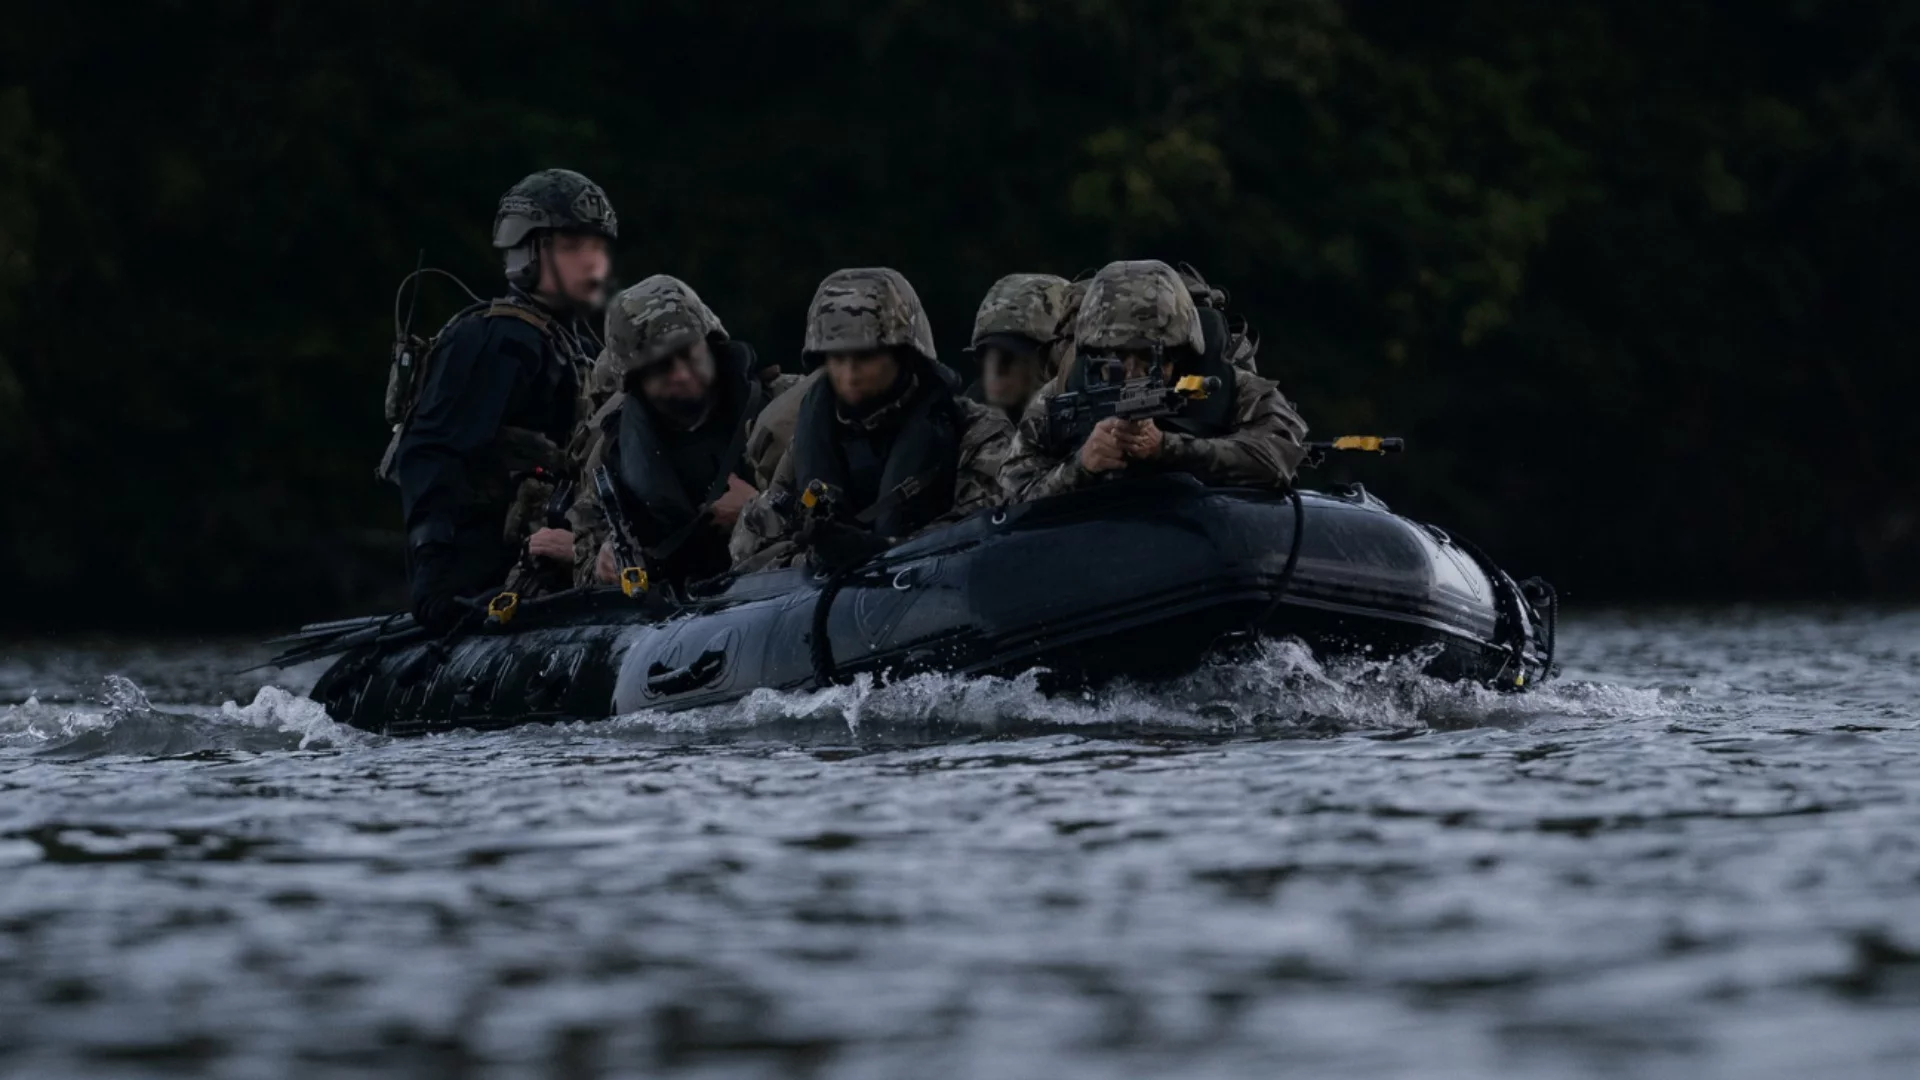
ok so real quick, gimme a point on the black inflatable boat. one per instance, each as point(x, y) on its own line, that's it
point(1144, 578)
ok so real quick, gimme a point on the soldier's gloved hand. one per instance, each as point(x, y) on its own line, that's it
point(605, 569)
point(431, 586)
point(1103, 452)
point(440, 613)
point(840, 544)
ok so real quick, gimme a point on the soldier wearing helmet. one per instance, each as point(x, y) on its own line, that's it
point(882, 431)
point(672, 437)
point(1137, 320)
point(497, 400)
point(1017, 339)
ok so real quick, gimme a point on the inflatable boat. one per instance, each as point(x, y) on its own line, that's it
point(1144, 579)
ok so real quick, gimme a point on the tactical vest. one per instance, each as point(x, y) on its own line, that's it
point(413, 361)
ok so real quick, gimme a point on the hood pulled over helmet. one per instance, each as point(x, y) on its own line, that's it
point(654, 319)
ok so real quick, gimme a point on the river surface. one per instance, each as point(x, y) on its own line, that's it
point(1695, 855)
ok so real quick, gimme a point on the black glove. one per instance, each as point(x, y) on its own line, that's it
point(435, 604)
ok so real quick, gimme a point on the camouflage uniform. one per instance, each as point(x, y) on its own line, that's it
point(1130, 303)
point(853, 311)
point(773, 428)
point(645, 323)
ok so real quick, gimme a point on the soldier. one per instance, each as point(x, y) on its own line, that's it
point(672, 437)
point(498, 396)
point(1140, 318)
point(1015, 338)
point(882, 432)
point(1064, 352)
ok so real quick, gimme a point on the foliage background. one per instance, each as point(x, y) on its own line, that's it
point(1635, 279)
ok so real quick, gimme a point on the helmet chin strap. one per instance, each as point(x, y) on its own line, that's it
point(523, 264)
point(544, 266)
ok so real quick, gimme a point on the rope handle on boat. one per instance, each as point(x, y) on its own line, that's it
point(1293, 560)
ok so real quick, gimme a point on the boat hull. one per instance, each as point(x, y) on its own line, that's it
point(1144, 579)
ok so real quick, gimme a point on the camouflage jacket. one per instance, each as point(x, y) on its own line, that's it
point(772, 430)
point(588, 522)
point(761, 537)
point(1263, 450)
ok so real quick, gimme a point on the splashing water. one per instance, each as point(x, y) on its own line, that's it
point(1692, 857)
point(123, 721)
point(1280, 690)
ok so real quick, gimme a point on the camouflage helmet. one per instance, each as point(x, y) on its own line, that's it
point(1021, 312)
point(655, 319)
point(1135, 304)
point(558, 199)
point(862, 309)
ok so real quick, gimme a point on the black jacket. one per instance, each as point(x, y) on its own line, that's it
point(495, 386)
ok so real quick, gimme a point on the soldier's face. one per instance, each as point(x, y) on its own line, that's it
point(579, 267)
point(862, 377)
point(1009, 379)
point(685, 377)
point(1138, 364)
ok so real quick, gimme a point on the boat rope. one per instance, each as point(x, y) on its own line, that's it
point(819, 645)
point(1546, 602)
point(1511, 621)
point(1293, 560)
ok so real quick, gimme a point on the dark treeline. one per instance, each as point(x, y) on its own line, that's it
point(1635, 278)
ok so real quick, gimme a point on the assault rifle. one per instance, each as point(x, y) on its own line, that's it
point(1071, 416)
point(633, 574)
point(839, 538)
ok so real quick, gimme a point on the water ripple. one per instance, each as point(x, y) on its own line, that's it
point(1695, 855)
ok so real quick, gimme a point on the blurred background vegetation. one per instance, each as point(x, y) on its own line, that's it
point(1635, 279)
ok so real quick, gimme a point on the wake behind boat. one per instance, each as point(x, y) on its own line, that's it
point(1145, 578)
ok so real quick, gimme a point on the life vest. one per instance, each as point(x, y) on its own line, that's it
point(910, 447)
point(658, 503)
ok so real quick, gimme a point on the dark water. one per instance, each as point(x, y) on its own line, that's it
point(1698, 855)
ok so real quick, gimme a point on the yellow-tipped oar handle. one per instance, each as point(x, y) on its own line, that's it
point(1370, 444)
